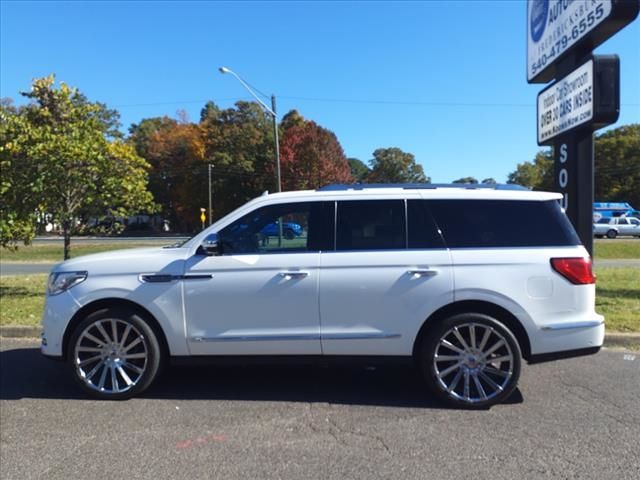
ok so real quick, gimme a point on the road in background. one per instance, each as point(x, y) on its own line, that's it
point(576, 418)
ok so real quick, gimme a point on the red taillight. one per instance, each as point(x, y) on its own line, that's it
point(576, 270)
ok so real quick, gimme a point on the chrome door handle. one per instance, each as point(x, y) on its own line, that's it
point(423, 272)
point(294, 274)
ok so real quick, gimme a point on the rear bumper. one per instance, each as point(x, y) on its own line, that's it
point(582, 337)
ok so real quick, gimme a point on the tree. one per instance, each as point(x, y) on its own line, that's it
point(359, 170)
point(20, 185)
point(617, 165)
point(239, 143)
point(141, 134)
point(72, 152)
point(392, 165)
point(310, 155)
point(176, 153)
point(489, 181)
point(470, 180)
point(537, 175)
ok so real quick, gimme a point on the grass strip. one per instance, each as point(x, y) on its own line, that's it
point(54, 253)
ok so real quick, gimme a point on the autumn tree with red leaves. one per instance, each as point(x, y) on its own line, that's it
point(310, 156)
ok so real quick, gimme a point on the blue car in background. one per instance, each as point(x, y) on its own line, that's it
point(290, 230)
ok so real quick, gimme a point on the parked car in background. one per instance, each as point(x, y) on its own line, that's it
point(613, 227)
point(290, 230)
point(425, 275)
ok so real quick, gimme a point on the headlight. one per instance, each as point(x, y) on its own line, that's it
point(61, 281)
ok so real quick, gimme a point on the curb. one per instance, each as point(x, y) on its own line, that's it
point(610, 339)
point(18, 331)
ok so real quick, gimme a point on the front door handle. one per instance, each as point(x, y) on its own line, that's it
point(294, 274)
point(423, 272)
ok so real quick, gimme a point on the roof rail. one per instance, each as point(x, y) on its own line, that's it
point(419, 186)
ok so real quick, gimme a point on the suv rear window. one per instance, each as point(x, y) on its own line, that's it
point(502, 223)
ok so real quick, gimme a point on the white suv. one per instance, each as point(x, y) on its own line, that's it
point(428, 274)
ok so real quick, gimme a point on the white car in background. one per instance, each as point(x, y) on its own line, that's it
point(429, 275)
point(616, 226)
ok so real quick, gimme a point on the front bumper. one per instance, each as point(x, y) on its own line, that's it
point(58, 312)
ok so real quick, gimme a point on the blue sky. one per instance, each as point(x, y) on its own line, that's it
point(444, 80)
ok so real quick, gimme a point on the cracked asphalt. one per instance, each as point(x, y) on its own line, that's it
point(577, 418)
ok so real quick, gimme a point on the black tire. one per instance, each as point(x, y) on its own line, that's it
point(612, 234)
point(289, 235)
point(116, 366)
point(599, 236)
point(496, 375)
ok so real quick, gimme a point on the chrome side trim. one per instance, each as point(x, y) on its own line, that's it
point(162, 278)
point(255, 338)
point(302, 336)
point(359, 336)
point(567, 326)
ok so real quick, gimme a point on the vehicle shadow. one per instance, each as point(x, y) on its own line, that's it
point(25, 373)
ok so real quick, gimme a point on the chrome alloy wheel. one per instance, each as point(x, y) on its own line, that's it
point(473, 362)
point(111, 356)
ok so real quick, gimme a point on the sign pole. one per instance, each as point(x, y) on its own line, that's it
point(573, 166)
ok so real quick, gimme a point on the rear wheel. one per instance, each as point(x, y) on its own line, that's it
point(612, 234)
point(114, 354)
point(471, 360)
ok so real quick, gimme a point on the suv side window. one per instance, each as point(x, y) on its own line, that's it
point(306, 226)
point(371, 225)
point(502, 223)
point(422, 229)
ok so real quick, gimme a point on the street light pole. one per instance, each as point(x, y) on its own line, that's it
point(271, 111)
point(275, 135)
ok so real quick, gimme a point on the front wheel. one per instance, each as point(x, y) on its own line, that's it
point(471, 360)
point(114, 354)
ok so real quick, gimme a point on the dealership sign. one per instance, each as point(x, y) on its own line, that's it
point(554, 27)
point(588, 96)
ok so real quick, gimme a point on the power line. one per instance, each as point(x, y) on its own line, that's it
point(351, 101)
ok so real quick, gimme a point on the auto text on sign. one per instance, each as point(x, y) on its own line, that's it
point(553, 26)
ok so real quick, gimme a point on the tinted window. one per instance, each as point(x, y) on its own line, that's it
point(371, 225)
point(604, 221)
point(305, 227)
point(422, 230)
point(501, 223)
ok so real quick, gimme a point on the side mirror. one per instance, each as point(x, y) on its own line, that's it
point(211, 245)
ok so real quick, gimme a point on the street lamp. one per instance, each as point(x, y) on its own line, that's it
point(271, 111)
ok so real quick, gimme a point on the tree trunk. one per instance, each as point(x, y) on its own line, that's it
point(67, 238)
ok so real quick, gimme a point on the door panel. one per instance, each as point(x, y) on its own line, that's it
point(253, 305)
point(374, 302)
point(262, 297)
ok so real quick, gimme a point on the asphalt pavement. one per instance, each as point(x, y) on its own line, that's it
point(576, 418)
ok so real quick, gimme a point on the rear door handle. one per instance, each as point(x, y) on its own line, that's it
point(423, 272)
point(294, 274)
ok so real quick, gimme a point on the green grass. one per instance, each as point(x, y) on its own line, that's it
point(617, 248)
point(53, 253)
point(618, 298)
point(22, 299)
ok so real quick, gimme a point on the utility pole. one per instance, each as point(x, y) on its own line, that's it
point(275, 134)
point(210, 195)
